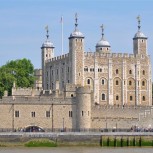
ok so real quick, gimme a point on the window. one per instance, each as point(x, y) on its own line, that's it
point(88, 81)
point(82, 113)
point(47, 113)
point(86, 69)
point(70, 114)
point(130, 83)
point(102, 81)
point(57, 71)
point(16, 113)
point(143, 72)
point(143, 98)
point(68, 69)
point(117, 82)
point(131, 98)
point(117, 97)
point(33, 114)
point(91, 69)
point(116, 71)
point(71, 95)
point(143, 83)
point(103, 97)
point(130, 71)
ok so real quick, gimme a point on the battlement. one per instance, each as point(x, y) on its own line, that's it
point(26, 92)
point(110, 55)
point(57, 58)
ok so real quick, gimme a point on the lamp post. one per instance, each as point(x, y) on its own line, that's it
point(63, 124)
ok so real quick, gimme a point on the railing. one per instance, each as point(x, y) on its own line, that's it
point(64, 130)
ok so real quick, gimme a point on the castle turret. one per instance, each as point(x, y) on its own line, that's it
point(76, 55)
point(139, 41)
point(47, 53)
point(103, 45)
point(83, 96)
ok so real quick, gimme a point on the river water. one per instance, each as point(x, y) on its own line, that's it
point(76, 150)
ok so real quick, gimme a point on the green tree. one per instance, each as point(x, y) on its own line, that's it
point(21, 71)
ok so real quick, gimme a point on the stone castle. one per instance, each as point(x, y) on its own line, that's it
point(85, 90)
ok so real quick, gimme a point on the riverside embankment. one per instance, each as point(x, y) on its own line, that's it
point(116, 139)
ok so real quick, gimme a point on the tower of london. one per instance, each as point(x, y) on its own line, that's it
point(114, 78)
point(84, 90)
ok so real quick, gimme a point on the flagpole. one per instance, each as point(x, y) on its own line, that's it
point(62, 34)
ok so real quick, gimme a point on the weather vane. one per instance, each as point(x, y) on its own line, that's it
point(102, 28)
point(76, 20)
point(47, 31)
point(139, 20)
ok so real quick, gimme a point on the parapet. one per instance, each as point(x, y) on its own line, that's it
point(57, 58)
point(26, 92)
point(109, 55)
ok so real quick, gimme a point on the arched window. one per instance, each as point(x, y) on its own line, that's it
point(103, 97)
point(88, 81)
point(143, 98)
point(116, 71)
point(117, 97)
point(143, 72)
point(117, 82)
point(130, 83)
point(130, 71)
point(131, 98)
point(102, 81)
point(143, 83)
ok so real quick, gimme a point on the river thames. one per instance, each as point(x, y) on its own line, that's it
point(75, 150)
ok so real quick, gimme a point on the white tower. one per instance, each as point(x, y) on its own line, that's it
point(47, 50)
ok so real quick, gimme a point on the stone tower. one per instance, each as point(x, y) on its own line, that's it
point(76, 55)
point(103, 45)
point(83, 96)
point(47, 52)
point(139, 41)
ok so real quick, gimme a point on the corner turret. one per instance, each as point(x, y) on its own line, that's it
point(139, 41)
point(47, 53)
point(76, 52)
point(103, 45)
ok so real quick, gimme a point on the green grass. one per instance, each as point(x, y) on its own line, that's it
point(41, 143)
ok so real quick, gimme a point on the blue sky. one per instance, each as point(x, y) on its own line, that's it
point(22, 25)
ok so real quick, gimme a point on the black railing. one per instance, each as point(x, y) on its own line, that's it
point(68, 130)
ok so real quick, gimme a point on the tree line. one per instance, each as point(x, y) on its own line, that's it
point(20, 71)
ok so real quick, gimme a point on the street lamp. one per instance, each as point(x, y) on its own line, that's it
point(63, 124)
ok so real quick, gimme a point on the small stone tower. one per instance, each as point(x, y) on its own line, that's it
point(103, 46)
point(47, 53)
point(76, 55)
point(83, 97)
point(139, 41)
